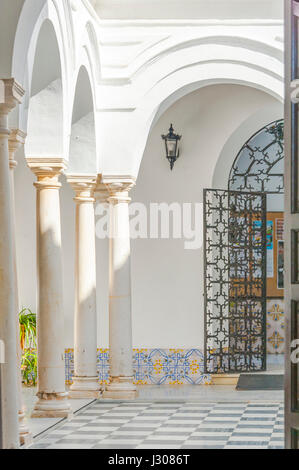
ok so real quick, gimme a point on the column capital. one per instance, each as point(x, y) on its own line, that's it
point(119, 187)
point(46, 166)
point(84, 186)
point(15, 141)
point(47, 170)
point(11, 94)
point(101, 193)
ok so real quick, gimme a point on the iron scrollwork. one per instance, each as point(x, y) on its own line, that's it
point(235, 281)
point(259, 164)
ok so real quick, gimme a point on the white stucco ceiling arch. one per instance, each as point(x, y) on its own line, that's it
point(84, 99)
point(92, 49)
point(76, 43)
point(137, 69)
point(190, 45)
point(168, 90)
point(148, 66)
point(32, 17)
point(41, 65)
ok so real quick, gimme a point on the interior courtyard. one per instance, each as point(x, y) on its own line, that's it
point(149, 224)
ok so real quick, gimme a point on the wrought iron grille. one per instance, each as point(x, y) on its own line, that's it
point(235, 281)
point(259, 166)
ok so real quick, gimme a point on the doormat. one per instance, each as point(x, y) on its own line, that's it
point(260, 382)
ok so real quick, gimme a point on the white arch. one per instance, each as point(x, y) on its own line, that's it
point(176, 65)
point(87, 57)
point(178, 84)
point(167, 49)
point(77, 45)
point(32, 19)
point(241, 135)
point(92, 50)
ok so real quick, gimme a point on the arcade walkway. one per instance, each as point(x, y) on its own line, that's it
point(170, 425)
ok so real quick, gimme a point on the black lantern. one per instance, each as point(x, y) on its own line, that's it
point(172, 147)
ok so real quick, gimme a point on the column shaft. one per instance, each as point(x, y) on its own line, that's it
point(10, 95)
point(7, 301)
point(120, 330)
point(120, 292)
point(50, 324)
point(16, 139)
point(85, 380)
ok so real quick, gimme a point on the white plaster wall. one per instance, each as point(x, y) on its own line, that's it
point(9, 15)
point(82, 147)
point(167, 280)
point(102, 247)
point(67, 206)
point(25, 232)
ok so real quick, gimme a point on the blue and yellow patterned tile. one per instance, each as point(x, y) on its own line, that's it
point(152, 366)
point(275, 326)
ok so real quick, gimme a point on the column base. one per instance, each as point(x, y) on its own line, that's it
point(25, 435)
point(26, 439)
point(85, 387)
point(121, 388)
point(52, 405)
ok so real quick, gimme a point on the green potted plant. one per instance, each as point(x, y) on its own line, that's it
point(27, 321)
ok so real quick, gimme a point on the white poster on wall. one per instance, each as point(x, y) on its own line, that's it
point(270, 249)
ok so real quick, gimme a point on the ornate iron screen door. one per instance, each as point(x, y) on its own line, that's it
point(235, 281)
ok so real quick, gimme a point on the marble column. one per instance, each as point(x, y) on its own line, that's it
point(85, 379)
point(16, 140)
point(52, 396)
point(10, 95)
point(120, 319)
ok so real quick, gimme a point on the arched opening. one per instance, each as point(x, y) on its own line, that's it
point(244, 260)
point(168, 303)
point(83, 153)
point(45, 143)
point(46, 111)
point(259, 167)
point(44, 138)
point(82, 161)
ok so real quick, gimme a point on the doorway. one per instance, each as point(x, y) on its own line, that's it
point(244, 321)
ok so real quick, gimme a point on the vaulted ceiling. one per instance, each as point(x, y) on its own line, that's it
point(188, 9)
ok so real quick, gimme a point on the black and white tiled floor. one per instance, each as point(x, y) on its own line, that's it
point(172, 425)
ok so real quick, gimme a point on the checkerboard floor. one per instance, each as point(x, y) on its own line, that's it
point(138, 425)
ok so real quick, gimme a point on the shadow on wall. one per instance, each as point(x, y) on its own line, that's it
point(167, 280)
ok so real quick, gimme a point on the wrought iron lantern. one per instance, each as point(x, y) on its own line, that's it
point(172, 146)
